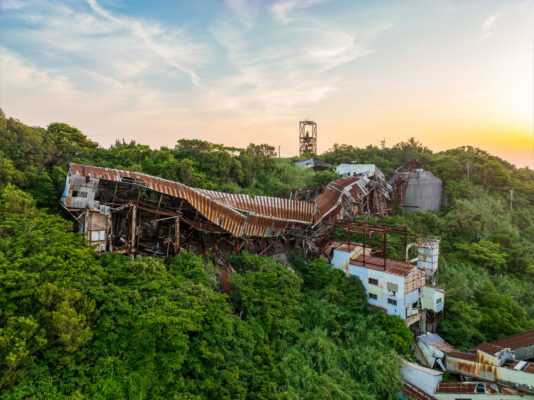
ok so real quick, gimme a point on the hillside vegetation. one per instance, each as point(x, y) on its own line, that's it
point(81, 326)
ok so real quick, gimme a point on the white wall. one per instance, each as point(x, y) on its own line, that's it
point(425, 379)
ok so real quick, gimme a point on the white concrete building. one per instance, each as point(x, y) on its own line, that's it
point(397, 288)
point(392, 286)
point(366, 170)
point(425, 379)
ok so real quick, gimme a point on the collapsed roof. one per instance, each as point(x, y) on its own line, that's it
point(106, 190)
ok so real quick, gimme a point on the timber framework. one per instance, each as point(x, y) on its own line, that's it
point(135, 213)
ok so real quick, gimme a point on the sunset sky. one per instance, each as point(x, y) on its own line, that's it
point(448, 73)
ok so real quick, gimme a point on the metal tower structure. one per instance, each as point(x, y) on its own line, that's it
point(307, 137)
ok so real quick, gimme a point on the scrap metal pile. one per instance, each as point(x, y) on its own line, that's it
point(135, 213)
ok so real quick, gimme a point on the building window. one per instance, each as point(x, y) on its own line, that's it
point(373, 296)
point(415, 305)
point(392, 302)
point(438, 301)
point(373, 281)
point(392, 288)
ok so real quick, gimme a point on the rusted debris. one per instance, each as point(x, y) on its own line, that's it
point(135, 213)
point(499, 367)
point(522, 344)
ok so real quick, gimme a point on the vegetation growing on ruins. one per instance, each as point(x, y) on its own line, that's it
point(77, 325)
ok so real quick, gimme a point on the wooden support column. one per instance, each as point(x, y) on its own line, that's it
point(133, 229)
point(168, 242)
point(109, 232)
point(138, 233)
point(177, 235)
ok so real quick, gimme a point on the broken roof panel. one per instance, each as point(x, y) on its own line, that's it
point(413, 392)
point(288, 209)
point(515, 341)
point(471, 388)
point(392, 267)
point(489, 348)
point(434, 340)
point(241, 214)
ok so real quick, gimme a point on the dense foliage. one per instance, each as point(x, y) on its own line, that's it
point(77, 325)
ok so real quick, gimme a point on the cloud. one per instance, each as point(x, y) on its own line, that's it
point(6, 5)
point(487, 26)
point(113, 75)
point(290, 71)
point(168, 54)
point(283, 8)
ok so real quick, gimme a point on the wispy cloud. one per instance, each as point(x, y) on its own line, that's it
point(168, 54)
point(142, 76)
point(281, 76)
point(487, 26)
point(283, 8)
point(12, 4)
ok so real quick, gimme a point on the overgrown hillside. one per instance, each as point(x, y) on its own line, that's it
point(77, 325)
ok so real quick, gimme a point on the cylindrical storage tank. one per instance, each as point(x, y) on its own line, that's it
point(420, 191)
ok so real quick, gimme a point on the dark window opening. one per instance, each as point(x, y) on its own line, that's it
point(76, 193)
point(392, 302)
point(373, 296)
point(373, 281)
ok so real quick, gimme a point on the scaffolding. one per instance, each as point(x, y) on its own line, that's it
point(374, 236)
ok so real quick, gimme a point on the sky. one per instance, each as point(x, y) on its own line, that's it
point(449, 73)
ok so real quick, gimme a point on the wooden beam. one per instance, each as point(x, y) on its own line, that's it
point(177, 235)
point(133, 229)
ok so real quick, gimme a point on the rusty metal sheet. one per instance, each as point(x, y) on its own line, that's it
point(392, 267)
point(348, 190)
point(489, 348)
point(469, 388)
point(413, 392)
point(263, 205)
point(515, 341)
point(267, 216)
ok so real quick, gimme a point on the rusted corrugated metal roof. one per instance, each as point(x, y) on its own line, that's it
point(462, 356)
point(392, 267)
point(434, 340)
point(470, 387)
point(287, 209)
point(525, 366)
point(349, 189)
point(237, 214)
point(413, 392)
point(489, 348)
point(515, 341)
point(241, 214)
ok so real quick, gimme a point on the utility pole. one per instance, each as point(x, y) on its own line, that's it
point(278, 152)
point(467, 166)
point(511, 198)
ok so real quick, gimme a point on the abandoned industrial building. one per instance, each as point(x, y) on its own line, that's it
point(491, 369)
point(397, 288)
point(137, 214)
point(134, 213)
